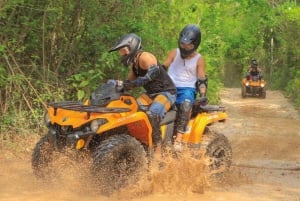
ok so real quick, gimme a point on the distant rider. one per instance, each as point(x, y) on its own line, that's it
point(254, 70)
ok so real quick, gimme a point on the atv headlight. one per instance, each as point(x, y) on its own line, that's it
point(95, 124)
point(47, 119)
point(247, 83)
point(262, 85)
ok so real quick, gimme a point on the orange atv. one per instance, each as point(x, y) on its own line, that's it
point(116, 134)
point(254, 87)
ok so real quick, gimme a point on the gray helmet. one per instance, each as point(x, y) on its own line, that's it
point(254, 62)
point(133, 42)
point(190, 34)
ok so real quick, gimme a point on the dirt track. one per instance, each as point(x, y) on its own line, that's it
point(265, 137)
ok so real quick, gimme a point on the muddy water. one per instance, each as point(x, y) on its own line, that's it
point(265, 138)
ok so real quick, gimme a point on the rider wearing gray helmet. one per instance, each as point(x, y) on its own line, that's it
point(145, 71)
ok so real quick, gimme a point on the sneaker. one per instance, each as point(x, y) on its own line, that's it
point(177, 146)
point(157, 152)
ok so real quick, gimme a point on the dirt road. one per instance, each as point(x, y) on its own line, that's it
point(265, 138)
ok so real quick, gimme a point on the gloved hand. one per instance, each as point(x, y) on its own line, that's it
point(115, 83)
point(112, 82)
point(127, 84)
point(203, 100)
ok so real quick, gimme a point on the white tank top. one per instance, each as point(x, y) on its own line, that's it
point(184, 71)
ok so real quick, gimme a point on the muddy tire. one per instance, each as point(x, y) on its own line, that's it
point(263, 93)
point(216, 153)
point(41, 158)
point(243, 92)
point(118, 161)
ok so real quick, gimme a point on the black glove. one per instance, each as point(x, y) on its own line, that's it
point(127, 84)
point(203, 100)
point(112, 82)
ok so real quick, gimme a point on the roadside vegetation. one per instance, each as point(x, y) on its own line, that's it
point(58, 50)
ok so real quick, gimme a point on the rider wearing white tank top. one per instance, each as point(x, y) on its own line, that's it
point(186, 67)
point(183, 71)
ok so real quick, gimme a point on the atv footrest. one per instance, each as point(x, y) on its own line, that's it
point(212, 108)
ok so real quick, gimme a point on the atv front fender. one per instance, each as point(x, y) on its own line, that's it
point(199, 124)
point(137, 123)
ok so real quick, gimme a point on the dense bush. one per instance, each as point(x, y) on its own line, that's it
point(57, 50)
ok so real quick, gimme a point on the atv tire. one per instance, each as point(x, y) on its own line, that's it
point(117, 162)
point(263, 93)
point(216, 152)
point(41, 158)
point(243, 92)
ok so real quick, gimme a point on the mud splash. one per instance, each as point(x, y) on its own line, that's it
point(264, 134)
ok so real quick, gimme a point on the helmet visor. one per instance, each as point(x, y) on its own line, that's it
point(187, 46)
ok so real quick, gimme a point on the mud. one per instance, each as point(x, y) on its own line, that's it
point(265, 138)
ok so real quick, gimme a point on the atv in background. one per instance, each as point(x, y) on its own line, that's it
point(117, 135)
point(254, 87)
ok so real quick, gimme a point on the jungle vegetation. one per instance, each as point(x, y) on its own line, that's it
point(52, 50)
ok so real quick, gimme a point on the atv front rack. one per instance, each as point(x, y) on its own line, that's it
point(78, 106)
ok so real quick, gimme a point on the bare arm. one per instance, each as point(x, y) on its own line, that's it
point(131, 75)
point(201, 75)
point(201, 65)
point(170, 58)
point(146, 60)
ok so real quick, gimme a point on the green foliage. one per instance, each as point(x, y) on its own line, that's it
point(292, 89)
point(57, 50)
point(84, 82)
point(3, 78)
point(286, 52)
